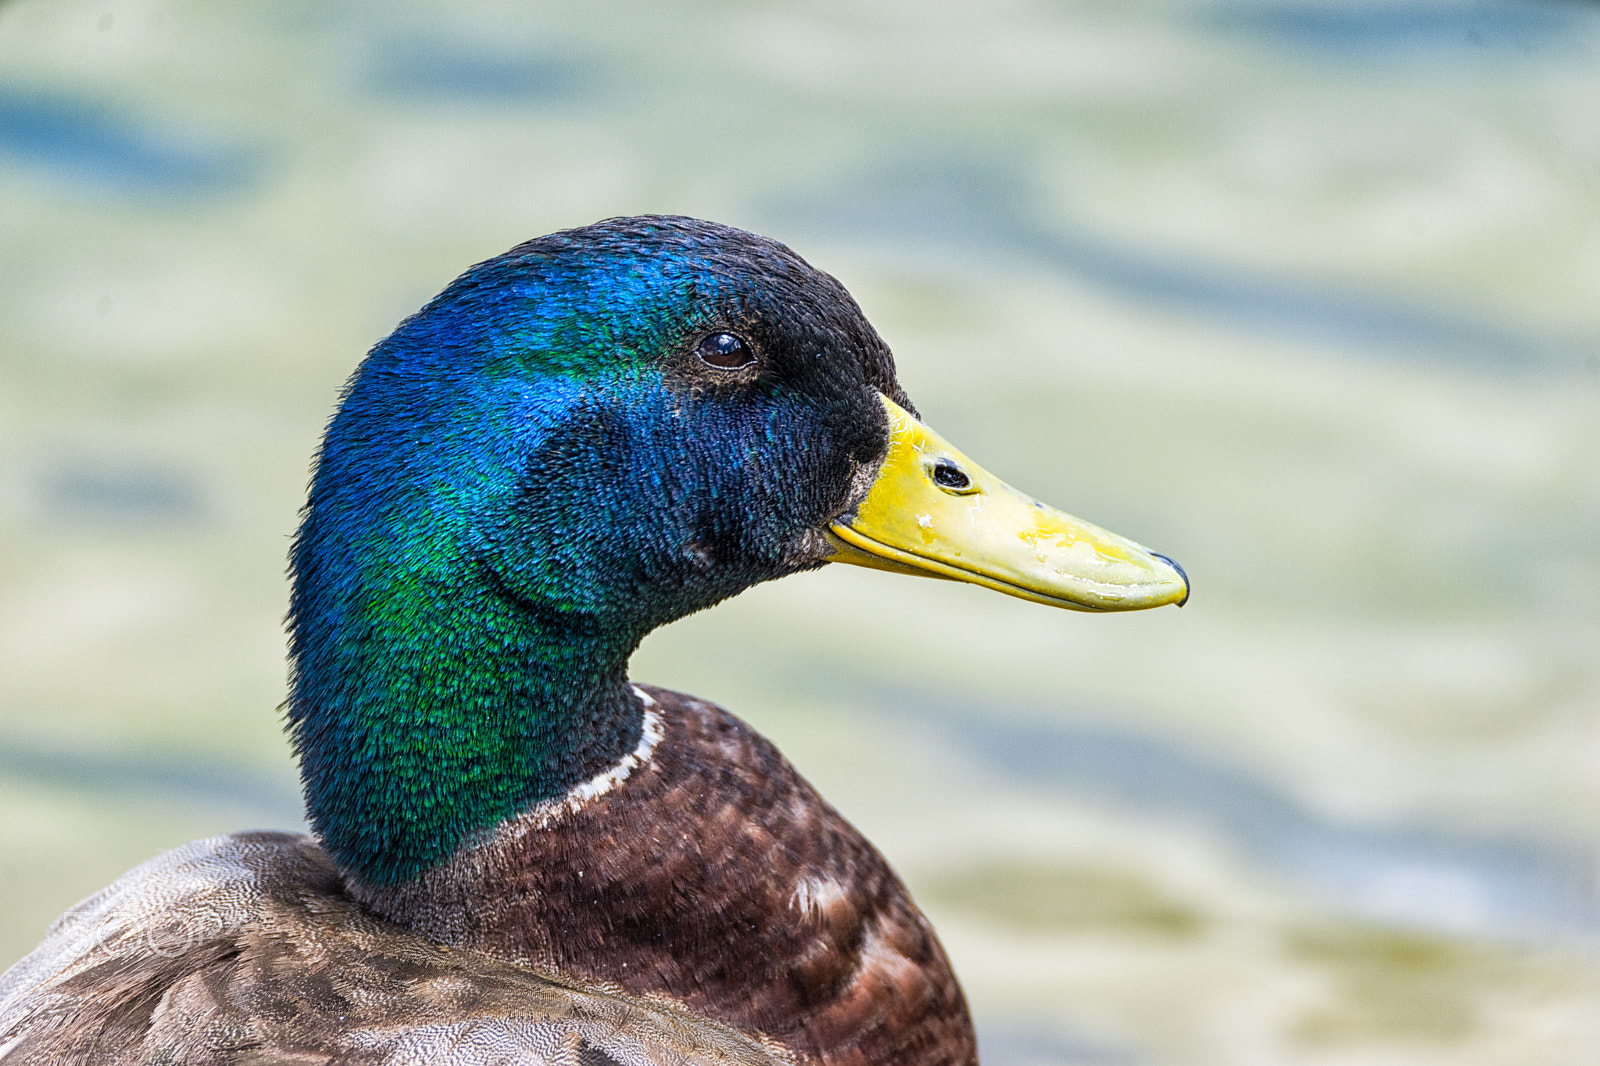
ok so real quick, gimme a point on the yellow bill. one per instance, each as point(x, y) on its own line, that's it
point(932, 511)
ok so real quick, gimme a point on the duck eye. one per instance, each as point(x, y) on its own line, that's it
point(950, 476)
point(725, 351)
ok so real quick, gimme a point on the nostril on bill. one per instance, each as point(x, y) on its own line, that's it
point(950, 476)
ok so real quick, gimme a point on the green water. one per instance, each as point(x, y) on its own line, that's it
point(1305, 295)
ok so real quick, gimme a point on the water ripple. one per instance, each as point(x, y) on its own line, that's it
point(1408, 875)
point(99, 147)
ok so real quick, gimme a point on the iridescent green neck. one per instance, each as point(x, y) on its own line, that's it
point(453, 704)
point(453, 662)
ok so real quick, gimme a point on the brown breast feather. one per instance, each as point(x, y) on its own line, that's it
point(714, 873)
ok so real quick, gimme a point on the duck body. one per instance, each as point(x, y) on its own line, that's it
point(595, 434)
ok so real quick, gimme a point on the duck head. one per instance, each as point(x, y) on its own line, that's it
point(598, 432)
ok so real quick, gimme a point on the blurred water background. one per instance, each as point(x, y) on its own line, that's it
point(1305, 293)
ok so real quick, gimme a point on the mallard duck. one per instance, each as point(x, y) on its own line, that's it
point(518, 855)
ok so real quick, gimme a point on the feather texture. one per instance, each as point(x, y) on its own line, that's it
point(715, 870)
point(246, 949)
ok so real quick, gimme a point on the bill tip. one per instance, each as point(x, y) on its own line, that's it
point(1174, 564)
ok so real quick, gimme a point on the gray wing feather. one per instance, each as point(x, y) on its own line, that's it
point(245, 950)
